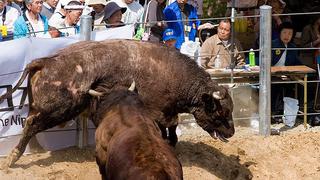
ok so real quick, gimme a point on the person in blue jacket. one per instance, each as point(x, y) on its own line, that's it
point(187, 18)
point(31, 22)
point(283, 57)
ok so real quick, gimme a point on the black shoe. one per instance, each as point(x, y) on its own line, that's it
point(276, 120)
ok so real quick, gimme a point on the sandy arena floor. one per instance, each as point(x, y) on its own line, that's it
point(295, 154)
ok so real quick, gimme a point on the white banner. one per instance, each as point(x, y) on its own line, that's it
point(14, 56)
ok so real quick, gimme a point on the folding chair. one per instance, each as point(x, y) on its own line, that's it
point(207, 30)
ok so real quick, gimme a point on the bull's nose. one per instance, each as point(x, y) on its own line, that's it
point(231, 130)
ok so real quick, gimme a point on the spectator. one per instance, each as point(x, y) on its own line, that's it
point(283, 58)
point(31, 21)
point(48, 8)
point(198, 4)
point(187, 23)
point(22, 5)
point(310, 38)
point(219, 44)
point(54, 32)
point(8, 16)
point(133, 13)
point(113, 15)
point(278, 7)
point(59, 14)
point(14, 5)
point(155, 17)
point(97, 13)
point(169, 39)
point(69, 26)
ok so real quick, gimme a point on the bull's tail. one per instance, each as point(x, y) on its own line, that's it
point(33, 66)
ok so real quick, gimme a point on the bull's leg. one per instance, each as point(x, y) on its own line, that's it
point(173, 138)
point(101, 161)
point(102, 168)
point(28, 132)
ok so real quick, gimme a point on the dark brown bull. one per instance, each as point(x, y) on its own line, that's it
point(168, 81)
point(129, 143)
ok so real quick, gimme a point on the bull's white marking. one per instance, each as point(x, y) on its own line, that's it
point(57, 83)
point(72, 88)
point(79, 69)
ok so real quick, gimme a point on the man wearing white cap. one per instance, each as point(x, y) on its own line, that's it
point(97, 13)
point(68, 25)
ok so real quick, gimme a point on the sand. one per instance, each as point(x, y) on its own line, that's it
point(294, 154)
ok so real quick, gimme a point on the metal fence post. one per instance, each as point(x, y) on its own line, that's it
point(85, 27)
point(265, 71)
point(82, 125)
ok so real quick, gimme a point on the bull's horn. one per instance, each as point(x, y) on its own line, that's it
point(132, 86)
point(217, 95)
point(95, 93)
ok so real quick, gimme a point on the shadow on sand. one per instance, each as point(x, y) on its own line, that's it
point(212, 160)
point(72, 154)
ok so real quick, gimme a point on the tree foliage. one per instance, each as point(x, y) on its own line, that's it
point(214, 8)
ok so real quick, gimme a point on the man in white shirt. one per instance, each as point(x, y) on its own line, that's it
point(134, 13)
point(8, 15)
point(68, 26)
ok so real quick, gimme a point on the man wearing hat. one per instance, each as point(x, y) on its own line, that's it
point(98, 12)
point(113, 15)
point(169, 39)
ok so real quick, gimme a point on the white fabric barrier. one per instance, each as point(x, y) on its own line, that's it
point(14, 56)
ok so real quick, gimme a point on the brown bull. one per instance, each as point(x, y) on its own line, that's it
point(168, 81)
point(129, 143)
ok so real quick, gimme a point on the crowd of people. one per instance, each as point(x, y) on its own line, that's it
point(171, 22)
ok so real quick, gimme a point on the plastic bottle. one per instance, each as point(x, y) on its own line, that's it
point(252, 59)
point(217, 62)
point(197, 52)
point(237, 25)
